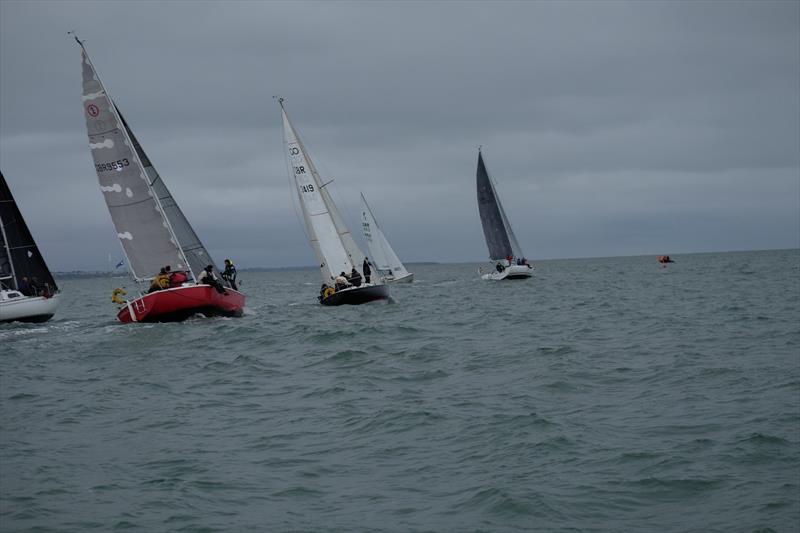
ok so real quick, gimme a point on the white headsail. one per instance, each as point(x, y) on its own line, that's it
point(381, 253)
point(330, 238)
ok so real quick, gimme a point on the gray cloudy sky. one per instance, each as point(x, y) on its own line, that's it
point(611, 128)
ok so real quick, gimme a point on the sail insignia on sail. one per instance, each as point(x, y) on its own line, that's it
point(142, 227)
point(154, 233)
point(333, 244)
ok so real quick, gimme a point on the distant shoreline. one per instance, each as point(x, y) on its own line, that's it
point(76, 274)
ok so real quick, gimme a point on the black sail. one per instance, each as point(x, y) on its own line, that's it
point(494, 228)
point(19, 255)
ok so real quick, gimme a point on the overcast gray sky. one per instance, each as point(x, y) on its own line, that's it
point(611, 128)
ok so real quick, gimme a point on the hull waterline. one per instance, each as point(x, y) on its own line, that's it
point(510, 272)
point(408, 278)
point(358, 295)
point(28, 309)
point(179, 303)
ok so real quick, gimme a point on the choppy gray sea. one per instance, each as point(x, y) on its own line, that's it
point(601, 395)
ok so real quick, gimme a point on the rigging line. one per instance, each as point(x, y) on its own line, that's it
point(292, 184)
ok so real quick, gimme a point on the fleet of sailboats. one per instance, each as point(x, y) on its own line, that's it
point(156, 236)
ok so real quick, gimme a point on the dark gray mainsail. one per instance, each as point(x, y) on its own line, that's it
point(19, 255)
point(497, 230)
point(193, 249)
point(151, 227)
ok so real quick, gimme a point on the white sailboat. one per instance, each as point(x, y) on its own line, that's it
point(389, 266)
point(337, 253)
point(28, 292)
point(510, 262)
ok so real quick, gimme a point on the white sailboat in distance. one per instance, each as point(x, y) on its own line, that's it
point(385, 260)
point(340, 259)
point(510, 262)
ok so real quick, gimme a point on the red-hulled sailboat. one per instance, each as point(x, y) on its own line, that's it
point(152, 229)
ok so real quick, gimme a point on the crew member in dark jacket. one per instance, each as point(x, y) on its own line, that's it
point(229, 274)
point(366, 269)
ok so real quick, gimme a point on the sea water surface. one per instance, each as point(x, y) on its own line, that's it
point(600, 395)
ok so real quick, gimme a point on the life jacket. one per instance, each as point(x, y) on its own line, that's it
point(117, 294)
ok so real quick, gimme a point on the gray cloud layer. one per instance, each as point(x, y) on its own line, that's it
point(610, 127)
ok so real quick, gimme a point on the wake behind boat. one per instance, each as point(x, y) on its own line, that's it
point(510, 262)
point(341, 262)
point(28, 292)
point(155, 235)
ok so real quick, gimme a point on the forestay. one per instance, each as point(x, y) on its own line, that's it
point(332, 242)
point(381, 253)
point(19, 255)
point(141, 225)
point(497, 230)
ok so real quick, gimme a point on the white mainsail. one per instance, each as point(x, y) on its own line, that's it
point(330, 238)
point(382, 254)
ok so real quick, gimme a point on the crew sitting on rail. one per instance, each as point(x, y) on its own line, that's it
point(24, 286)
point(161, 281)
point(325, 291)
point(341, 282)
point(355, 277)
point(207, 277)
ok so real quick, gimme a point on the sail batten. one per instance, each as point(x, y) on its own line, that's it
point(500, 238)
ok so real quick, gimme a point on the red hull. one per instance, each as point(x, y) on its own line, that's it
point(179, 303)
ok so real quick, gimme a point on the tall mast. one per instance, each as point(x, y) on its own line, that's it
point(121, 124)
